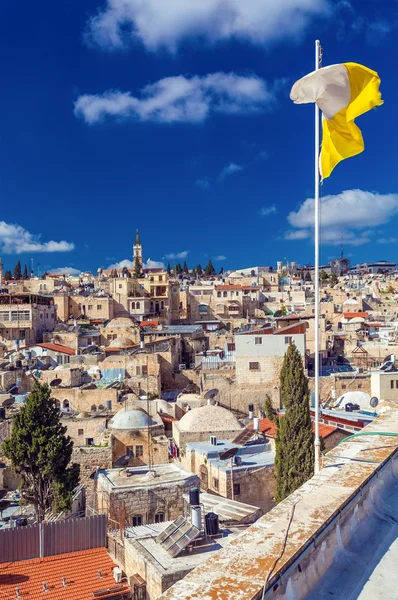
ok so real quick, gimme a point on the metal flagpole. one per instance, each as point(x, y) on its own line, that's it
point(317, 442)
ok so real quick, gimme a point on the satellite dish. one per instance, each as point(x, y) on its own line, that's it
point(228, 453)
point(8, 402)
point(100, 428)
point(374, 402)
point(55, 382)
point(211, 394)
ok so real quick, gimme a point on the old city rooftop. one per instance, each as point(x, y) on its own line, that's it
point(74, 576)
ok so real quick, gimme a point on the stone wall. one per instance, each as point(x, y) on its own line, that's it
point(83, 399)
point(342, 384)
point(89, 458)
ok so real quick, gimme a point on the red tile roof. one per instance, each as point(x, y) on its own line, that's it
point(353, 315)
point(153, 323)
point(269, 428)
point(228, 287)
point(79, 568)
point(56, 348)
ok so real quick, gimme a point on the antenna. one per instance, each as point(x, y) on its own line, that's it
point(342, 247)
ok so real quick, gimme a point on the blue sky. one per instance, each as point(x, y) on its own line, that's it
point(175, 117)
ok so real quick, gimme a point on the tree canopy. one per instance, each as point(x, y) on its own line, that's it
point(210, 270)
point(18, 271)
point(7, 275)
point(294, 457)
point(40, 452)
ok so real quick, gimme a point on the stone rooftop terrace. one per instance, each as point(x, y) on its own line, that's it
point(141, 476)
point(350, 498)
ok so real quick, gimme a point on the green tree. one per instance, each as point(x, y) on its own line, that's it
point(18, 271)
point(270, 411)
point(323, 276)
point(221, 271)
point(333, 279)
point(185, 268)
point(25, 273)
point(7, 275)
point(137, 268)
point(177, 269)
point(294, 455)
point(168, 270)
point(199, 270)
point(308, 276)
point(210, 270)
point(40, 452)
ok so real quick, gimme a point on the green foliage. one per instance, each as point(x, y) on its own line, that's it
point(40, 452)
point(333, 279)
point(308, 276)
point(7, 275)
point(137, 268)
point(323, 276)
point(270, 411)
point(221, 271)
point(185, 268)
point(210, 270)
point(25, 273)
point(294, 458)
point(168, 270)
point(177, 269)
point(199, 270)
point(18, 271)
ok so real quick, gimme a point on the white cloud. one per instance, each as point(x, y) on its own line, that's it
point(220, 257)
point(121, 264)
point(267, 210)
point(349, 217)
point(149, 264)
point(180, 99)
point(160, 23)
point(65, 271)
point(14, 239)
point(389, 240)
point(174, 255)
point(230, 170)
point(203, 182)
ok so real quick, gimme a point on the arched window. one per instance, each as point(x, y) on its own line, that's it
point(58, 404)
point(138, 305)
point(133, 306)
point(93, 408)
point(101, 407)
point(65, 404)
point(161, 305)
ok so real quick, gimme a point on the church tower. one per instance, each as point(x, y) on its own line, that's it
point(137, 252)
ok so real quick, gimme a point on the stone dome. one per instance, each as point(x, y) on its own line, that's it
point(135, 418)
point(360, 398)
point(187, 398)
point(209, 418)
point(121, 342)
point(351, 301)
point(121, 322)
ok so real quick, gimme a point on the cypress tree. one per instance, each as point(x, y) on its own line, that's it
point(7, 275)
point(168, 270)
point(137, 269)
point(199, 270)
point(25, 273)
point(210, 270)
point(270, 411)
point(40, 452)
point(18, 271)
point(185, 268)
point(294, 458)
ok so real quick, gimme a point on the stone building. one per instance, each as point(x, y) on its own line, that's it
point(25, 317)
point(198, 424)
point(248, 478)
point(142, 495)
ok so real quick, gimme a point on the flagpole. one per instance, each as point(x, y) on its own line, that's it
point(317, 443)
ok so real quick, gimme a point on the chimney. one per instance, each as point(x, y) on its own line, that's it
point(251, 411)
point(256, 424)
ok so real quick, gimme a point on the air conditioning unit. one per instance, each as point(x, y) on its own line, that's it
point(117, 574)
point(182, 367)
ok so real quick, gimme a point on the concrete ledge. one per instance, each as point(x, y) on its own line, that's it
point(323, 510)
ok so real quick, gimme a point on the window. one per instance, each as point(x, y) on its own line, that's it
point(159, 518)
point(120, 285)
point(89, 441)
point(160, 277)
point(258, 341)
point(144, 369)
point(109, 336)
point(218, 294)
point(65, 404)
point(392, 384)
point(137, 520)
point(90, 307)
point(80, 432)
point(288, 339)
point(93, 408)
point(225, 294)
point(236, 489)
point(396, 383)
point(151, 279)
point(343, 387)
point(237, 294)
point(137, 370)
point(138, 305)
point(231, 347)
point(99, 306)
point(359, 386)
point(215, 483)
point(133, 306)
point(130, 450)
point(101, 407)
point(139, 451)
point(254, 366)
point(203, 308)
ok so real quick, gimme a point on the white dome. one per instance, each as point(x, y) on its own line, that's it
point(121, 322)
point(131, 419)
point(209, 418)
point(121, 342)
point(351, 301)
point(361, 398)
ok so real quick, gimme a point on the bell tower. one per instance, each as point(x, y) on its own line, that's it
point(137, 252)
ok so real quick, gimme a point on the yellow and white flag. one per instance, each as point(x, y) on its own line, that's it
point(342, 92)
